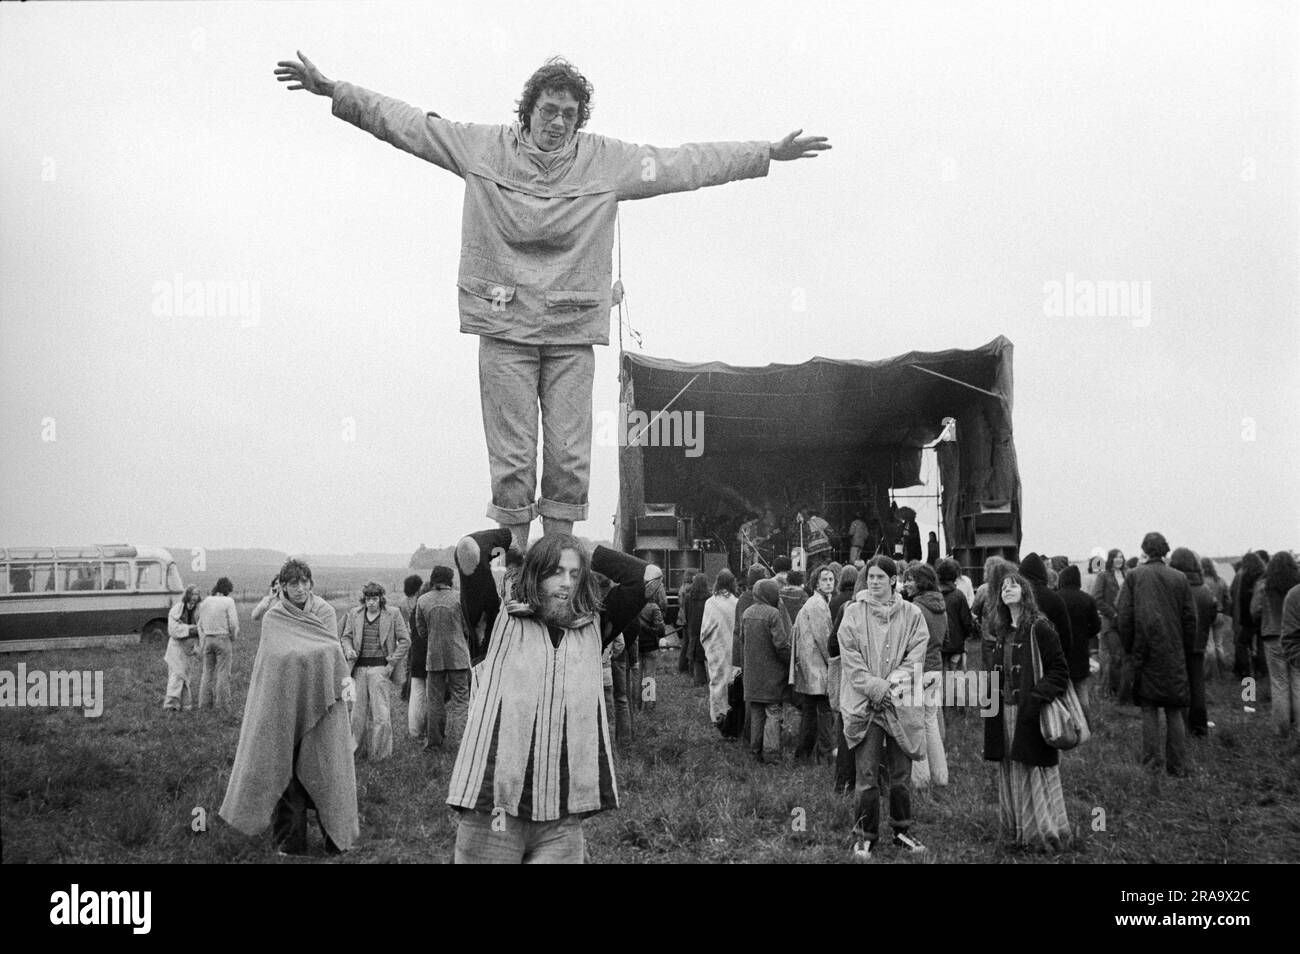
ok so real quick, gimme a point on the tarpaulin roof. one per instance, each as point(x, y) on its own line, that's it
point(848, 404)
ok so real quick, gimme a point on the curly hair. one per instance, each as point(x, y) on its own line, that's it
point(556, 75)
point(373, 588)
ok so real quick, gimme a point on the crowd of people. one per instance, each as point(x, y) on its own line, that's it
point(861, 650)
point(844, 643)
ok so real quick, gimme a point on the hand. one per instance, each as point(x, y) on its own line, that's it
point(388, 671)
point(794, 147)
point(304, 75)
point(349, 691)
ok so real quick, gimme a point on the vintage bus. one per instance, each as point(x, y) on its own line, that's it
point(67, 597)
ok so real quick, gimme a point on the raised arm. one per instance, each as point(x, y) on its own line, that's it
point(452, 146)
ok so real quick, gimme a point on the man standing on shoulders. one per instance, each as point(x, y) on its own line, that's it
point(1157, 626)
point(535, 278)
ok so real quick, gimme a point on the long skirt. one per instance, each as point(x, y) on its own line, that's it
point(717, 654)
point(182, 658)
point(1032, 806)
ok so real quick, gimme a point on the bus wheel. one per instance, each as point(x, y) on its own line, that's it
point(154, 632)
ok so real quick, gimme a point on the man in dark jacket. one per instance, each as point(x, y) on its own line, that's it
point(1085, 625)
point(1050, 604)
point(1207, 610)
point(765, 632)
point(440, 624)
point(1157, 625)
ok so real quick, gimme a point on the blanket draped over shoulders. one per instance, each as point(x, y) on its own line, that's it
point(295, 719)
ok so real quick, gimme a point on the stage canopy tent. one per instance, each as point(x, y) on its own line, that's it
point(830, 432)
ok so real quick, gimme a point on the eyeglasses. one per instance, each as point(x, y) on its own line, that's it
point(549, 112)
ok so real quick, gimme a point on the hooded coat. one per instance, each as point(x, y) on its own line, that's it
point(936, 623)
point(1085, 621)
point(765, 635)
point(1049, 601)
point(1157, 627)
point(882, 645)
point(1207, 607)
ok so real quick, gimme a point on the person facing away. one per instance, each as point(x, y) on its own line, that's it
point(1268, 607)
point(1188, 564)
point(440, 625)
point(219, 628)
point(765, 642)
point(1157, 626)
point(1085, 625)
point(537, 229)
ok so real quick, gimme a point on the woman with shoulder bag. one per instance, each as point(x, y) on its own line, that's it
point(1031, 804)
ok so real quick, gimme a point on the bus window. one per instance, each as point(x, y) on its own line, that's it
point(174, 578)
point(148, 576)
point(117, 575)
point(78, 576)
point(31, 577)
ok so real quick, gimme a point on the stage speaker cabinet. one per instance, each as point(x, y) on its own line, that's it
point(682, 565)
point(657, 532)
point(686, 532)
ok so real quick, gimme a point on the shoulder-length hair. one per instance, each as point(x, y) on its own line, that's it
point(374, 589)
point(556, 75)
point(1281, 573)
point(543, 561)
point(1002, 613)
point(725, 583)
point(1110, 561)
point(699, 587)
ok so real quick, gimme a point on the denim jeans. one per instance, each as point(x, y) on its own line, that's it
point(484, 838)
point(765, 730)
point(881, 764)
point(816, 730)
point(620, 715)
point(446, 721)
point(1284, 687)
point(514, 381)
point(372, 717)
point(415, 708)
point(214, 687)
point(1174, 759)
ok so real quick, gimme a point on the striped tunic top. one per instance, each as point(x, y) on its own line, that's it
point(537, 741)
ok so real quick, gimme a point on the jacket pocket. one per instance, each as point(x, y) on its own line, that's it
point(573, 300)
point(498, 293)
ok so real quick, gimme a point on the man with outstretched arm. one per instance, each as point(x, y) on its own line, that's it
point(537, 231)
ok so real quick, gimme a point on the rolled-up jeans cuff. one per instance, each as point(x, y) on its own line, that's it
point(561, 511)
point(510, 517)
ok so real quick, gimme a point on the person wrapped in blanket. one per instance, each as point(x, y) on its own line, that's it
point(295, 743)
point(535, 758)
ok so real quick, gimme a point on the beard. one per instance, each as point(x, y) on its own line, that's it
point(559, 613)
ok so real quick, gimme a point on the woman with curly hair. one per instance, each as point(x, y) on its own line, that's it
point(1026, 658)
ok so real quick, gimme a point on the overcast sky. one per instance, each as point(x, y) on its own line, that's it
point(981, 152)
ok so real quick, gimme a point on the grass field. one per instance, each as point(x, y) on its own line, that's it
point(125, 786)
